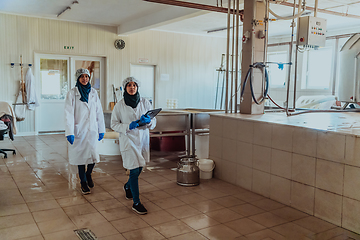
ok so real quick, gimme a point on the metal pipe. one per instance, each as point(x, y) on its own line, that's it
point(335, 64)
point(237, 52)
point(296, 57)
point(323, 11)
point(290, 58)
point(193, 133)
point(192, 5)
point(266, 23)
point(232, 62)
point(227, 60)
point(316, 8)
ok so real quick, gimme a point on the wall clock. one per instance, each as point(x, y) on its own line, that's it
point(119, 44)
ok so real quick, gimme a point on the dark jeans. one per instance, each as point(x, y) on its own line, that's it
point(133, 183)
point(82, 173)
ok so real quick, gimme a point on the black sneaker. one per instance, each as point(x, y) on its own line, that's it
point(89, 181)
point(139, 208)
point(84, 188)
point(128, 194)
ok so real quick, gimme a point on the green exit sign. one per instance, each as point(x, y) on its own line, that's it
point(69, 47)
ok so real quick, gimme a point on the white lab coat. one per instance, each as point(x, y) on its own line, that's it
point(85, 121)
point(134, 144)
point(31, 97)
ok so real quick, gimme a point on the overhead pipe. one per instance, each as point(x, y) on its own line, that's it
point(232, 61)
point(237, 53)
point(227, 60)
point(290, 59)
point(193, 5)
point(322, 10)
point(316, 8)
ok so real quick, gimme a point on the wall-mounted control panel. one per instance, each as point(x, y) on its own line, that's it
point(311, 32)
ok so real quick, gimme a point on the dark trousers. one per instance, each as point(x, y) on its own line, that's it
point(133, 184)
point(82, 173)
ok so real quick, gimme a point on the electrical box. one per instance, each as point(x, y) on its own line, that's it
point(311, 32)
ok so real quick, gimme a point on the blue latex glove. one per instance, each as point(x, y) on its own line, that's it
point(133, 125)
point(70, 139)
point(101, 136)
point(145, 119)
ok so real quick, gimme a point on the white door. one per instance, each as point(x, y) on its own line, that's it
point(52, 74)
point(146, 75)
point(56, 76)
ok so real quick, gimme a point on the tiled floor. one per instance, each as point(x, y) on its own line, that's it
point(40, 199)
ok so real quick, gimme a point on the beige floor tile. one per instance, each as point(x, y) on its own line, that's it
point(314, 224)
point(88, 220)
point(143, 234)
point(200, 221)
point(39, 237)
point(129, 224)
point(212, 193)
point(244, 226)
point(61, 235)
point(158, 217)
point(267, 204)
point(114, 237)
point(173, 228)
point(19, 232)
point(219, 232)
point(183, 211)
point(155, 195)
point(224, 215)
point(117, 213)
point(207, 206)
point(228, 201)
point(191, 198)
point(247, 210)
point(189, 236)
point(58, 224)
point(43, 205)
point(289, 213)
point(167, 203)
point(71, 201)
point(266, 234)
point(16, 220)
point(107, 204)
point(38, 197)
point(103, 229)
point(13, 209)
point(178, 190)
point(249, 196)
point(268, 219)
point(293, 231)
point(78, 210)
point(95, 197)
point(51, 214)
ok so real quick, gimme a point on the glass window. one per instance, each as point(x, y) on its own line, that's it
point(94, 69)
point(54, 79)
point(317, 68)
point(277, 77)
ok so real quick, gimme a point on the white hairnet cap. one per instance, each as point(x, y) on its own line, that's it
point(80, 72)
point(130, 79)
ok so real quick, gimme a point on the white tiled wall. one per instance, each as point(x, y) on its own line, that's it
point(314, 171)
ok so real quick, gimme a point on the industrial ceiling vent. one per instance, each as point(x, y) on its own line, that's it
point(349, 80)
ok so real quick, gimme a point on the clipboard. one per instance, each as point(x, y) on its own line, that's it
point(151, 113)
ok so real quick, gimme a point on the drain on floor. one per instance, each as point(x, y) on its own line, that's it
point(85, 234)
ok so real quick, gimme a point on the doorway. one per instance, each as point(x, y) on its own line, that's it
point(146, 75)
point(55, 76)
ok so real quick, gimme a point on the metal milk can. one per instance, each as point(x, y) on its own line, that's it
point(188, 172)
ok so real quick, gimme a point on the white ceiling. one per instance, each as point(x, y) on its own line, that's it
point(135, 15)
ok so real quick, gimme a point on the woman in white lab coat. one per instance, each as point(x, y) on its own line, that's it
point(134, 140)
point(84, 127)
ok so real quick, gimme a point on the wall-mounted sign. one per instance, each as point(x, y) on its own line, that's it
point(143, 60)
